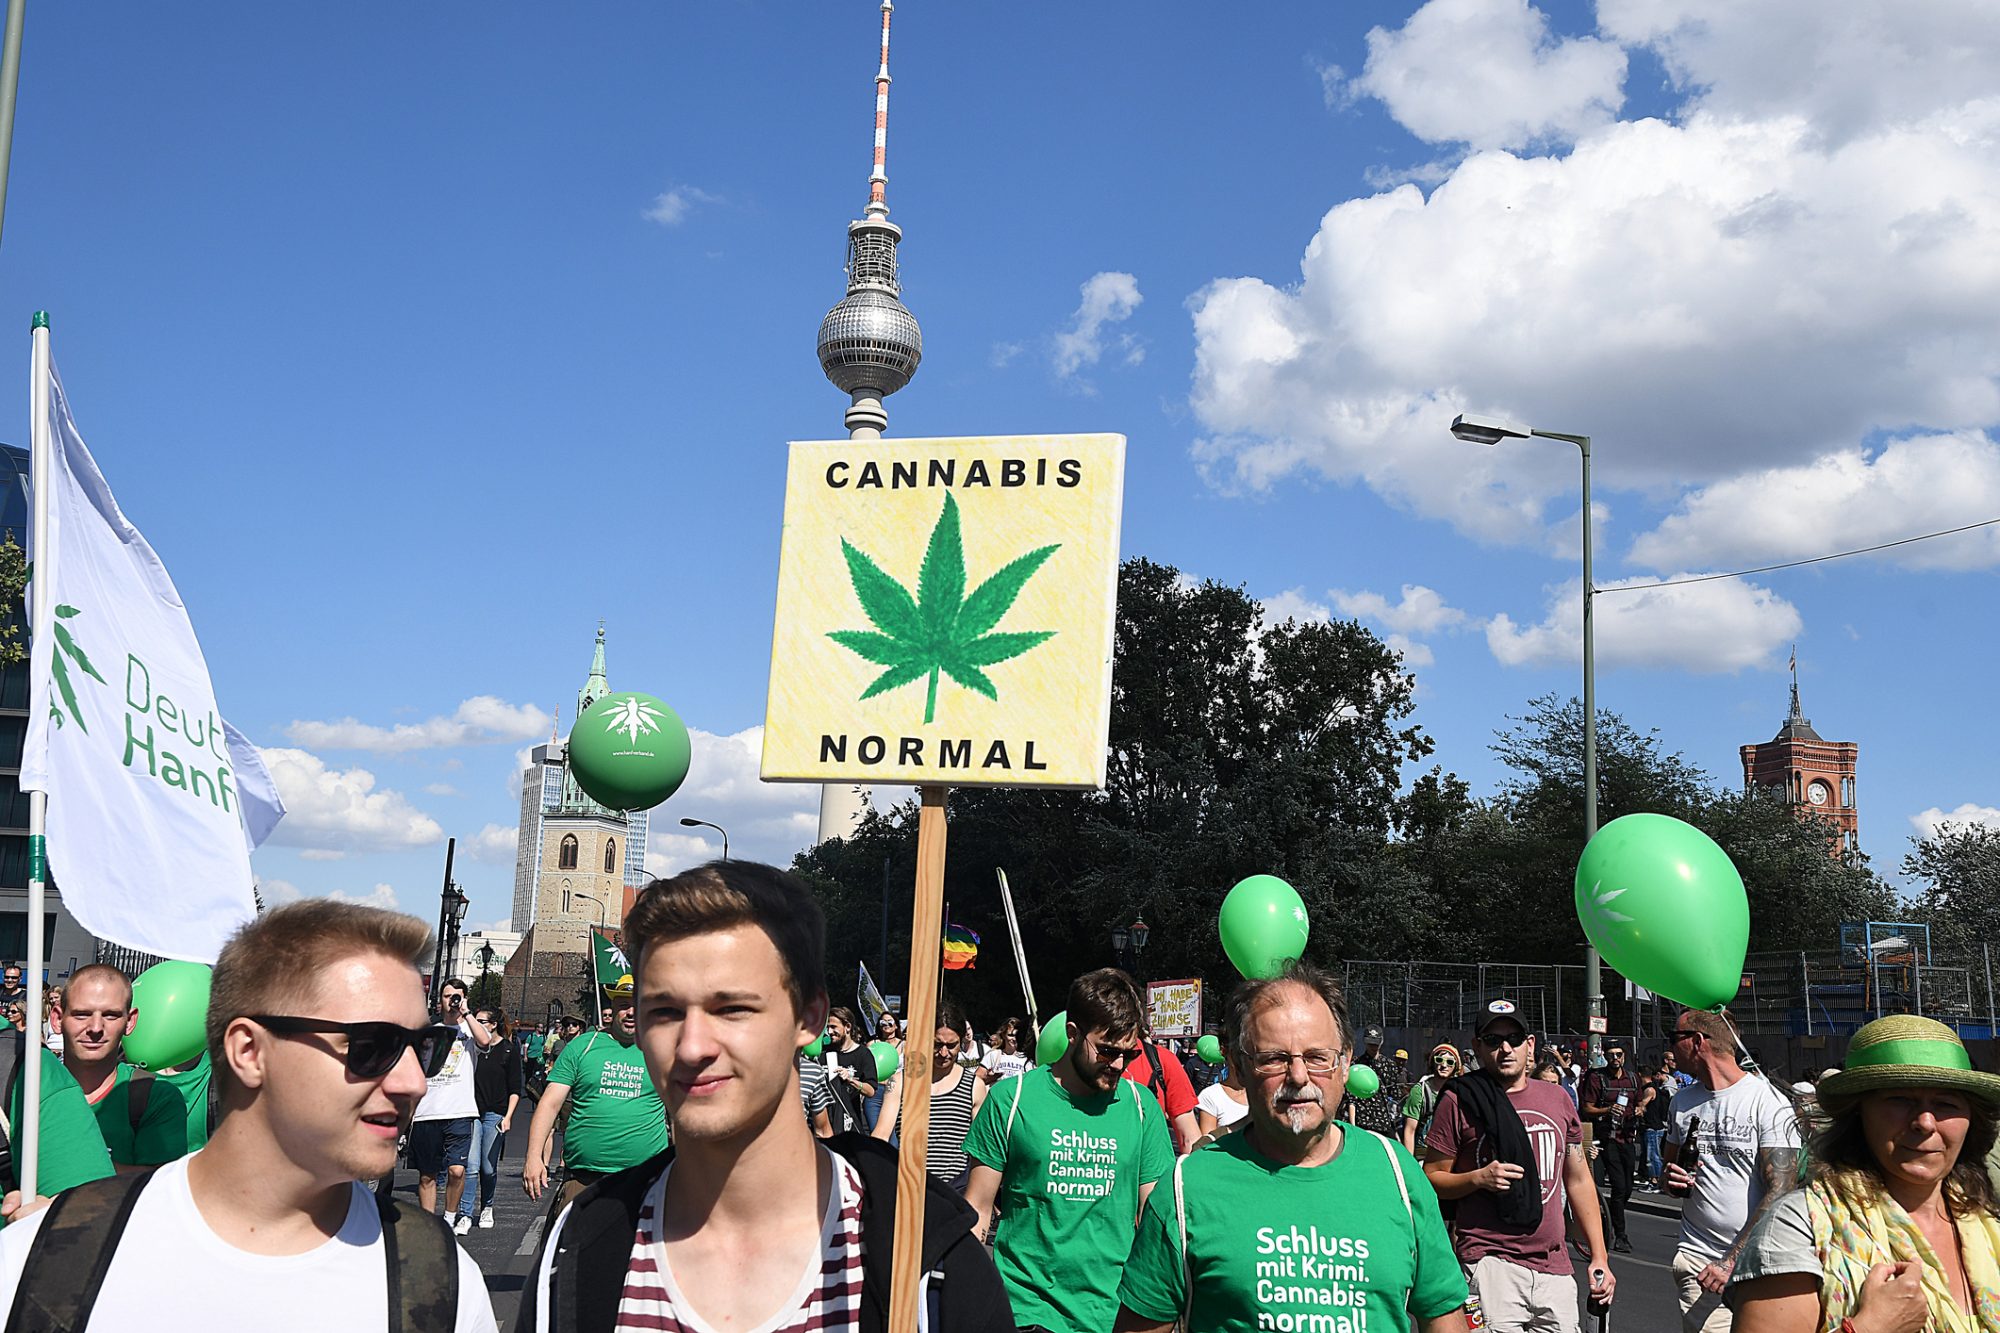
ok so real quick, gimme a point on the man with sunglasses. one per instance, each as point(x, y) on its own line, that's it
point(1298, 1221)
point(320, 1047)
point(1509, 1148)
point(1610, 1100)
point(448, 1116)
point(1071, 1150)
point(1748, 1138)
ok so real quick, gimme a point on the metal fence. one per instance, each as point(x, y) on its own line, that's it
point(1807, 993)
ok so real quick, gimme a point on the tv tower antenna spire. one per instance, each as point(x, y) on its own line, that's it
point(869, 344)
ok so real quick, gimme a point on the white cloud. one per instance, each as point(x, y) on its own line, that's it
point(493, 843)
point(341, 810)
point(1003, 354)
point(440, 789)
point(1842, 501)
point(671, 208)
point(322, 854)
point(479, 720)
point(1420, 610)
point(767, 821)
point(1725, 293)
point(1932, 821)
point(1108, 298)
point(1726, 625)
point(278, 892)
point(1844, 67)
point(1293, 604)
point(1490, 74)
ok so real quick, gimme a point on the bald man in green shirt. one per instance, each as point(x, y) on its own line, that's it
point(144, 1119)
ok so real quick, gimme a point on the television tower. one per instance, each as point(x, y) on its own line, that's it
point(869, 346)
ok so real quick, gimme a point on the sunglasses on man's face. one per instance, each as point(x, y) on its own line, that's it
point(1493, 1041)
point(372, 1048)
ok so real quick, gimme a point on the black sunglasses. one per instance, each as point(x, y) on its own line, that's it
point(1493, 1041)
point(372, 1048)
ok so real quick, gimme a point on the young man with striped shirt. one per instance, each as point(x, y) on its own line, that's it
point(748, 1221)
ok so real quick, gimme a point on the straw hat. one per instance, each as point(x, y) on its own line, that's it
point(1905, 1051)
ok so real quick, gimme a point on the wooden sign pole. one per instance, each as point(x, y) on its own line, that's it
point(919, 1033)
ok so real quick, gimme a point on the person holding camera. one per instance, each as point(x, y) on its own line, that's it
point(441, 1136)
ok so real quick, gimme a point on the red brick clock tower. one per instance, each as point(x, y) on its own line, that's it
point(1808, 770)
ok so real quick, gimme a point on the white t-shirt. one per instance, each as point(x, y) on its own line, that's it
point(167, 1248)
point(1215, 1100)
point(1003, 1064)
point(450, 1095)
point(1747, 1115)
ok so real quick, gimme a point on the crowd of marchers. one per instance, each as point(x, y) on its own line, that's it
point(700, 1171)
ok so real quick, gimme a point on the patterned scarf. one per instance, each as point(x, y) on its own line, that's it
point(1852, 1235)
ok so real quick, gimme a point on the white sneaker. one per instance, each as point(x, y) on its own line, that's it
point(485, 1217)
point(463, 1226)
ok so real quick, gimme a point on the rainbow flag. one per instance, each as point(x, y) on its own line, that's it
point(961, 947)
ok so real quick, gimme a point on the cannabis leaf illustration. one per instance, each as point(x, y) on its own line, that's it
point(1599, 909)
point(66, 645)
point(942, 628)
point(632, 716)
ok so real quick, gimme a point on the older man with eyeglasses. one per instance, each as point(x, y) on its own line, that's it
point(1509, 1148)
point(1300, 1221)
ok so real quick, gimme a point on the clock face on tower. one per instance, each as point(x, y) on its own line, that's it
point(1818, 793)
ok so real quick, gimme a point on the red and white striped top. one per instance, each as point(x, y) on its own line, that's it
point(826, 1299)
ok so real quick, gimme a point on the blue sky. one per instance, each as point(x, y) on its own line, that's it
point(418, 339)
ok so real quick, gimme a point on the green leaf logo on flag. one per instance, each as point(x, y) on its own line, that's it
point(67, 646)
point(614, 971)
point(942, 628)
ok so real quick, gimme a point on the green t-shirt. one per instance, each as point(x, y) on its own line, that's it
point(71, 1149)
point(193, 1084)
point(162, 1132)
point(1329, 1248)
point(615, 1117)
point(1070, 1172)
point(532, 1047)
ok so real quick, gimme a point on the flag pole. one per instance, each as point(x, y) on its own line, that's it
point(41, 587)
point(1020, 955)
point(10, 83)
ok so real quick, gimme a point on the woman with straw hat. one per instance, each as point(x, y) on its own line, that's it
point(1896, 1229)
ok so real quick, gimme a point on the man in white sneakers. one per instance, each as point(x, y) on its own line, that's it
point(748, 1221)
point(320, 1046)
point(448, 1116)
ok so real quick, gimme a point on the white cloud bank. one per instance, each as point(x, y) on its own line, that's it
point(1807, 256)
point(767, 821)
point(1932, 821)
point(480, 720)
point(1723, 626)
point(1108, 298)
point(341, 810)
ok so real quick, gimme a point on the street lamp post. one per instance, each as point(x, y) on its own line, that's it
point(485, 956)
point(1492, 430)
point(1128, 942)
point(703, 823)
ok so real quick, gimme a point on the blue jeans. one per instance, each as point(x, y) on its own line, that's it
point(1655, 1164)
point(482, 1167)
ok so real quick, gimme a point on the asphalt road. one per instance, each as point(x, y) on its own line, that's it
point(1645, 1302)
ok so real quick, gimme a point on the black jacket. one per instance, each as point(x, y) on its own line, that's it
point(594, 1247)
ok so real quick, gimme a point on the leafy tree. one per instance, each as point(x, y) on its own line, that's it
point(1959, 866)
point(13, 584)
point(1800, 881)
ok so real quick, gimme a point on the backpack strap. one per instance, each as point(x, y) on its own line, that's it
point(72, 1252)
point(138, 1092)
point(1402, 1184)
point(1158, 1081)
point(1015, 1109)
point(420, 1257)
point(1187, 1260)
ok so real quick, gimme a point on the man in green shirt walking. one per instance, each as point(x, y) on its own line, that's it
point(1300, 1221)
point(70, 1149)
point(616, 1118)
point(143, 1118)
point(1071, 1150)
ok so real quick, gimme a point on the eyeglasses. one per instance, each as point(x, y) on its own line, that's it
point(1493, 1041)
point(1115, 1055)
point(372, 1048)
point(952, 1045)
point(1443, 1060)
point(1278, 1062)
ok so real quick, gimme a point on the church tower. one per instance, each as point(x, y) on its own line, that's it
point(1808, 770)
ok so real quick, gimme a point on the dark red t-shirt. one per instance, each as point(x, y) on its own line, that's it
point(1551, 1121)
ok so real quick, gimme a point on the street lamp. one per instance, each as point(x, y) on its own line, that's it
point(1492, 430)
point(1128, 942)
point(703, 823)
point(485, 956)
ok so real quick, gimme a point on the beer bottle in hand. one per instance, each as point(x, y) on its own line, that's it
point(1689, 1152)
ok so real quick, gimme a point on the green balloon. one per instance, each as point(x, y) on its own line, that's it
point(1209, 1048)
point(629, 751)
point(815, 1046)
point(1263, 926)
point(172, 1000)
point(1054, 1040)
point(886, 1059)
point(1666, 908)
point(1363, 1083)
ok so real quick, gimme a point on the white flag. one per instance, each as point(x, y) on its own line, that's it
point(147, 838)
